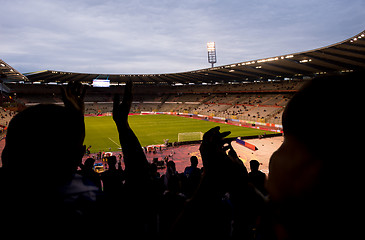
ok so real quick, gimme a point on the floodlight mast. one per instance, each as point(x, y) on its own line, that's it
point(212, 56)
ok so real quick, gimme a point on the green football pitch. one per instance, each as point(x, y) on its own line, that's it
point(101, 132)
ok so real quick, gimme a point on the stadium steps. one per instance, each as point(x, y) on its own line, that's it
point(281, 101)
point(271, 116)
point(163, 100)
point(270, 99)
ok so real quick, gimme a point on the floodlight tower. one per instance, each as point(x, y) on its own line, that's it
point(212, 56)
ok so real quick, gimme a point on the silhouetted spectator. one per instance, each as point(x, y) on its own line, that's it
point(193, 168)
point(314, 194)
point(170, 172)
point(222, 197)
point(192, 176)
point(87, 171)
point(137, 217)
point(171, 204)
point(256, 177)
point(40, 190)
point(154, 173)
point(112, 179)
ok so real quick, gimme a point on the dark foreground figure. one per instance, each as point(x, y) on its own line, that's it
point(313, 189)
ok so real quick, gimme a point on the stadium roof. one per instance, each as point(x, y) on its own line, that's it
point(9, 74)
point(345, 56)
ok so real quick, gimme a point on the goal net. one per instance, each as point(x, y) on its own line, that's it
point(189, 136)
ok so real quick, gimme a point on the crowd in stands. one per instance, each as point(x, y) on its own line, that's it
point(257, 101)
point(308, 193)
point(5, 117)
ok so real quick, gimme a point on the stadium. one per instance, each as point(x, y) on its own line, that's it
point(171, 112)
point(252, 94)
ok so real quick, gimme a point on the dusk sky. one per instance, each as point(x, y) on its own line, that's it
point(164, 36)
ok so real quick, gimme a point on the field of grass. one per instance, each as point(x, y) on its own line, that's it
point(101, 132)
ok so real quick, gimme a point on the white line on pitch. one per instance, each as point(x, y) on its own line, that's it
point(114, 142)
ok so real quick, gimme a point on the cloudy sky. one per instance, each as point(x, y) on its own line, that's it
point(162, 36)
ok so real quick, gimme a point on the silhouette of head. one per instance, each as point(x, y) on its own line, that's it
point(44, 140)
point(254, 165)
point(89, 163)
point(307, 174)
point(112, 160)
point(171, 165)
point(194, 161)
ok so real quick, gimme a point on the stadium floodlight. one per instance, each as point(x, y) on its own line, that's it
point(212, 57)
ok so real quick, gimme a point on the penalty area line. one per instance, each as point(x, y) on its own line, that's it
point(114, 142)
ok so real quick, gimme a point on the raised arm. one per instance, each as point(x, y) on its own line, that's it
point(223, 173)
point(136, 165)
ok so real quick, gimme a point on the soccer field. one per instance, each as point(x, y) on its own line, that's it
point(101, 132)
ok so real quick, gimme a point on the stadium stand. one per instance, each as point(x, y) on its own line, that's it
point(244, 102)
point(313, 192)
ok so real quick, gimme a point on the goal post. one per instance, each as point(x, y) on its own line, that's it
point(189, 136)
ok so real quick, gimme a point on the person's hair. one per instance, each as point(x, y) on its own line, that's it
point(320, 112)
point(44, 138)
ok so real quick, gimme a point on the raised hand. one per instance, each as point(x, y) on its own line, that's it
point(213, 148)
point(73, 96)
point(223, 169)
point(121, 110)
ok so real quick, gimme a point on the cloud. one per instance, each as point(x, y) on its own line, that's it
point(157, 36)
